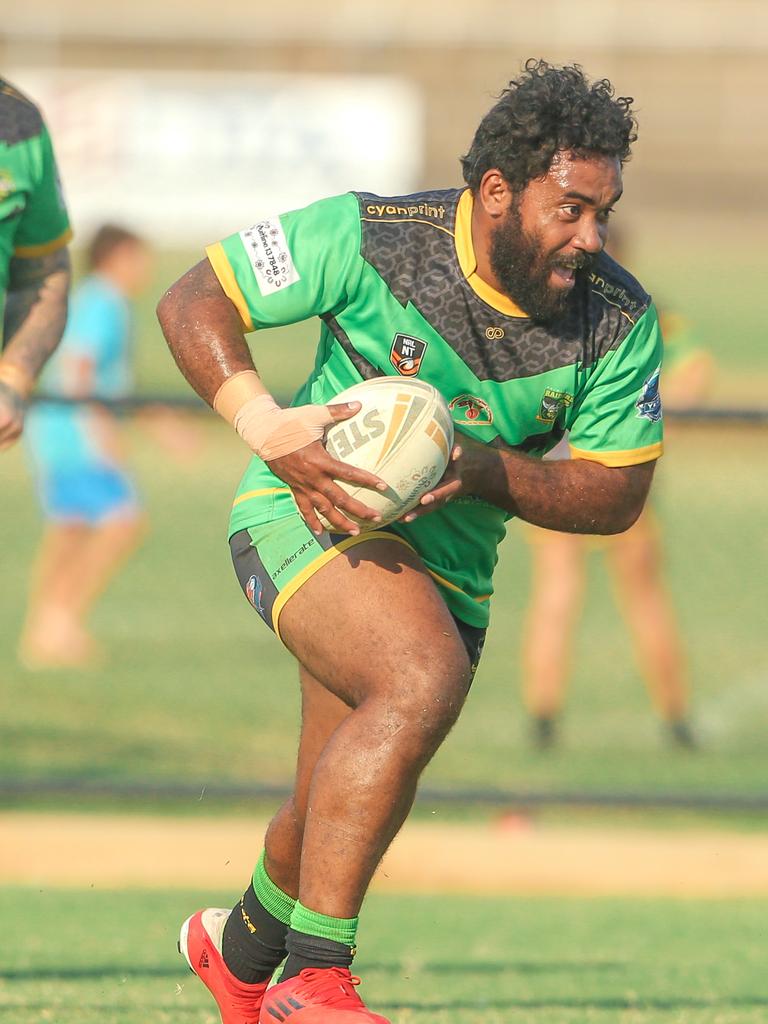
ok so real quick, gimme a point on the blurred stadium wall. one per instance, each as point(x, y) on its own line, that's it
point(698, 70)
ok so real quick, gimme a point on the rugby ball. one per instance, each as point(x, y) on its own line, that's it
point(403, 433)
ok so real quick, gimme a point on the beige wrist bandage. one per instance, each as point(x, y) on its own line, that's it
point(16, 378)
point(268, 430)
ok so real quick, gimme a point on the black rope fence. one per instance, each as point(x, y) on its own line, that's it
point(174, 791)
point(191, 403)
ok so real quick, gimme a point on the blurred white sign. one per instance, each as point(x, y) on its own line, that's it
point(190, 157)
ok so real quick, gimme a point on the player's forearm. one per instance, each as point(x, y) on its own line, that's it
point(572, 496)
point(35, 316)
point(203, 331)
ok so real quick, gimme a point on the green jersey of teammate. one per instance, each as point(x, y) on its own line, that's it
point(394, 283)
point(33, 217)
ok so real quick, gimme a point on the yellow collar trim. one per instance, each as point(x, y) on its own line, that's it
point(465, 252)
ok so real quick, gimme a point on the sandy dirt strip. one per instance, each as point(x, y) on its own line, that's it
point(108, 851)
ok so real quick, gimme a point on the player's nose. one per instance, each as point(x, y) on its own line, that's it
point(589, 238)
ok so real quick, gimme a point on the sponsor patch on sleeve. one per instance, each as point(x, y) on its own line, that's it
point(269, 256)
point(648, 405)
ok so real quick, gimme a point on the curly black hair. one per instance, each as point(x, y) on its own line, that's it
point(543, 110)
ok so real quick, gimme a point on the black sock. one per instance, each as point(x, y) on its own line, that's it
point(312, 951)
point(544, 731)
point(253, 943)
point(682, 734)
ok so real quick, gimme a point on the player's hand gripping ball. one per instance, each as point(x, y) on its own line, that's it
point(403, 433)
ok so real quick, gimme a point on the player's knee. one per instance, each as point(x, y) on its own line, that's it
point(430, 703)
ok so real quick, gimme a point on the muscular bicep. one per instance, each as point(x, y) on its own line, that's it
point(624, 489)
point(198, 292)
point(203, 330)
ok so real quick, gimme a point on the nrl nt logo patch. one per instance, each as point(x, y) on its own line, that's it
point(471, 410)
point(406, 354)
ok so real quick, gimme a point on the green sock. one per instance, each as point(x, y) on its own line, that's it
point(336, 929)
point(276, 902)
point(318, 941)
point(253, 940)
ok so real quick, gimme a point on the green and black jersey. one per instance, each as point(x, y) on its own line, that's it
point(394, 283)
point(33, 217)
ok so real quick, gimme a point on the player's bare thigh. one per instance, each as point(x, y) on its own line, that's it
point(636, 554)
point(372, 621)
point(558, 561)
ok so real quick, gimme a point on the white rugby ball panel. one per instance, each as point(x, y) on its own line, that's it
point(403, 433)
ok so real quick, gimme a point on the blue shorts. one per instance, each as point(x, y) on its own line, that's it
point(87, 493)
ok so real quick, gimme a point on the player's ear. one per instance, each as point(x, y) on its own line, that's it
point(494, 193)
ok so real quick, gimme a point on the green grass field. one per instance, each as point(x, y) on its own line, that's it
point(90, 957)
point(192, 667)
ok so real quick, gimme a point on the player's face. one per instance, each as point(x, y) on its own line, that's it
point(554, 230)
point(131, 264)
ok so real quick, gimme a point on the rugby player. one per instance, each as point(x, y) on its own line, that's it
point(93, 519)
point(34, 260)
point(499, 294)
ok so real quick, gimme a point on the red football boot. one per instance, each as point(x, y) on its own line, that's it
point(318, 996)
point(200, 945)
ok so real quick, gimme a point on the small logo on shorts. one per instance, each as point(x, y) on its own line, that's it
point(494, 333)
point(407, 354)
point(471, 410)
point(253, 589)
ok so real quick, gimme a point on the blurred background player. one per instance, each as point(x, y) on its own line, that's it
point(635, 559)
point(92, 516)
point(34, 261)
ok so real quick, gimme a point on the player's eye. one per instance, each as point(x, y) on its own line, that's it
point(603, 215)
point(571, 211)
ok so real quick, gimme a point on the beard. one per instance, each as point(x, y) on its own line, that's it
point(523, 269)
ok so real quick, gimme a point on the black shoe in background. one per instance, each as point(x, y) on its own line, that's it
point(681, 734)
point(544, 733)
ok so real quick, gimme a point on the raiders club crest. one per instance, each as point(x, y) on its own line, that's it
point(551, 403)
point(407, 354)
